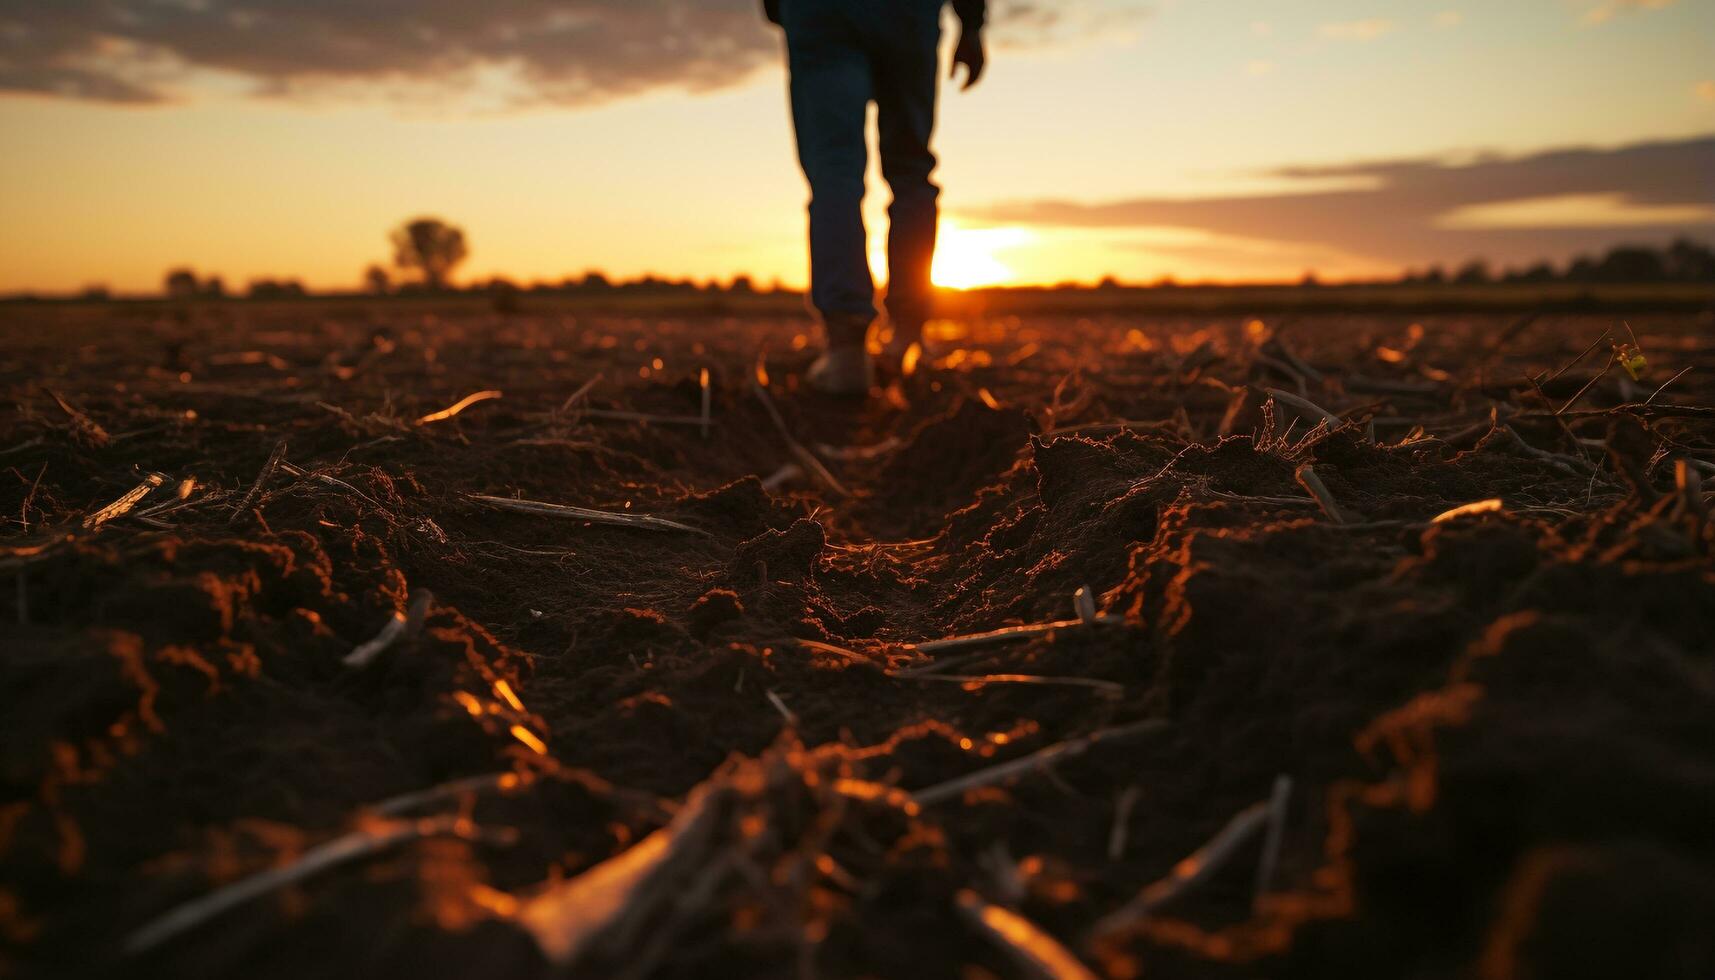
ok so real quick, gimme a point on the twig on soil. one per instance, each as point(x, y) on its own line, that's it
point(1277, 806)
point(456, 789)
point(20, 447)
point(1277, 501)
point(1571, 465)
point(848, 454)
point(87, 430)
point(782, 476)
point(367, 651)
point(30, 499)
point(1311, 481)
point(1107, 688)
point(583, 390)
point(1042, 758)
point(1286, 369)
point(611, 902)
point(1084, 604)
point(1682, 373)
point(354, 846)
point(333, 481)
point(1190, 872)
point(1491, 506)
point(1575, 361)
point(1293, 359)
point(401, 625)
point(1306, 406)
point(1037, 954)
point(1587, 386)
point(945, 663)
point(780, 706)
point(122, 506)
point(250, 497)
point(369, 424)
point(838, 651)
point(805, 458)
point(1633, 408)
point(1122, 822)
point(1011, 634)
point(540, 509)
point(458, 406)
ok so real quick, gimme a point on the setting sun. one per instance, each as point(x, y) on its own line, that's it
point(969, 258)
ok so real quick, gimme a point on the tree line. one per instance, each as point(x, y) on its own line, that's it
point(1683, 260)
point(427, 250)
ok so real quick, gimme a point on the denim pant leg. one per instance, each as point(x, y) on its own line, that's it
point(907, 75)
point(832, 84)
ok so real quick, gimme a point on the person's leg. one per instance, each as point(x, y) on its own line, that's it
point(831, 89)
point(907, 76)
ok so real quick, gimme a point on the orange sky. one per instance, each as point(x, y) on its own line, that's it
point(1240, 140)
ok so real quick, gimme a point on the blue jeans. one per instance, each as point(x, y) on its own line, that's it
point(845, 54)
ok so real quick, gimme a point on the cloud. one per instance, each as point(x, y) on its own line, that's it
point(1516, 209)
point(575, 51)
point(572, 52)
point(1358, 30)
point(1607, 10)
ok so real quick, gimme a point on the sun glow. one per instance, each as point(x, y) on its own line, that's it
point(969, 258)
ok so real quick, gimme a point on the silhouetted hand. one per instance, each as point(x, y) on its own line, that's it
point(970, 53)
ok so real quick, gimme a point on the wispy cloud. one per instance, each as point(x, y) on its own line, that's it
point(1607, 10)
point(1025, 24)
point(1358, 30)
point(569, 52)
point(1414, 211)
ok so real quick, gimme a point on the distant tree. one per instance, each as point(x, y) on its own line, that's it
point(430, 247)
point(742, 285)
point(96, 293)
point(1540, 272)
point(1632, 263)
point(181, 283)
point(1434, 276)
point(1108, 282)
point(1473, 273)
point(276, 289)
point(1690, 262)
point(503, 295)
point(595, 282)
point(1310, 281)
point(214, 287)
point(377, 281)
point(1582, 269)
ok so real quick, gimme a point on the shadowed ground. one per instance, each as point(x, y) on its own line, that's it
point(1500, 728)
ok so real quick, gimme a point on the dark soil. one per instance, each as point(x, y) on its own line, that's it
point(1500, 728)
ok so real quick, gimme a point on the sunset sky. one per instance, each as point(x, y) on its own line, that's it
point(1239, 139)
